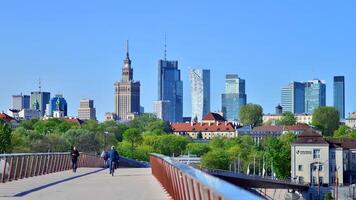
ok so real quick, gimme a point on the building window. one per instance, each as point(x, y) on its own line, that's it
point(332, 155)
point(314, 167)
point(320, 168)
point(321, 180)
point(301, 179)
point(353, 156)
point(300, 167)
point(316, 153)
point(314, 180)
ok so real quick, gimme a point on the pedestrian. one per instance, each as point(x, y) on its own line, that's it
point(75, 154)
point(113, 159)
point(105, 156)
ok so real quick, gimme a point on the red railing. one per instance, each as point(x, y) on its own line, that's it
point(18, 166)
point(183, 182)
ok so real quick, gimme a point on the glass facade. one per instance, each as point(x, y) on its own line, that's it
point(315, 95)
point(200, 88)
point(62, 103)
point(293, 97)
point(234, 97)
point(39, 101)
point(170, 89)
point(339, 95)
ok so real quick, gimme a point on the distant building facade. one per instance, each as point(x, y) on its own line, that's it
point(300, 118)
point(351, 120)
point(162, 111)
point(200, 88)
point(62, 103)
point(292, 97)
point(315, 159)
point(127, 93)
point(86, 110)
point(212, 126)
point(315, 95)
point(234, 97)
point(39, 100)
point(339, 95)
point(20, 102)
point(170, 91)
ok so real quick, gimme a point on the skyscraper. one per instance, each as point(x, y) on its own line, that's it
point(293, 97)
point(53, 104)
point(315, 95)
point(127, 92)
point(170, 91)
point(234, 97)
point(20, 102)
point(39, 100)
point(339, 95)
point(86, 110)
point(200, 88)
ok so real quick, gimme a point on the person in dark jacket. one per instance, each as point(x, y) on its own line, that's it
point(113, 158)
point(75, 154)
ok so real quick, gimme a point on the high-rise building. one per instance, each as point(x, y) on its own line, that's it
point(339, 95)
point(170, 91)
point(20, 102)
point(127, 92)
point(53, 104)
point(162, 111)
point(315, 95)
point(200, 88)
point(234, 97)
point(39, 100)
point(292, 97)
point(86, 110)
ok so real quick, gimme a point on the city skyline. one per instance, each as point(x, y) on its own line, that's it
point(82, 64)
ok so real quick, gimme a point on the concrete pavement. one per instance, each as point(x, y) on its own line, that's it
point(87, 183)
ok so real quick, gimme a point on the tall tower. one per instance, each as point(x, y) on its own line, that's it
point(234, 97)
point(127, 92)
point(339, 95)
point(200, 88)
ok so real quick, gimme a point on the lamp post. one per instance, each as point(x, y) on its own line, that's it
point(105, 136)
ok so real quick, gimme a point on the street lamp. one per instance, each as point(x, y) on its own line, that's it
point(105, 136)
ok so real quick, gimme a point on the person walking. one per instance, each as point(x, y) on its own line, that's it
point(113, 159)
point(105, 156)
point(75, 154)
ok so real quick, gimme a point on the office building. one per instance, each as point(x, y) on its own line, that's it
point(39, 100)
point(53, 105)
point(315, 159)
point(200, 92)
point(170, 91)
point(162, 111)
point(292, 97)
point(315, 95)
point(339, 95)
point(127, 92)
point(234, 97)
point(20, 102)
point(86, 110)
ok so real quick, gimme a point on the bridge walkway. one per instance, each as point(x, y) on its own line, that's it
point(87, 183)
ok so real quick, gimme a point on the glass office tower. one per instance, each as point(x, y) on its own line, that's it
point(234, 97)
point(200, 88)
point(339, 95)
point(53, 104)
point(315, 95)
point(39, 100)
point(292, 97)
point(170, 91)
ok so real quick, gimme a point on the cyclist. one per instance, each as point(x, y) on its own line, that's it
point(113, 159)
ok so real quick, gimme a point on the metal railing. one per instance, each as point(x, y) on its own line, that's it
point(184, 182)
point(23, 165)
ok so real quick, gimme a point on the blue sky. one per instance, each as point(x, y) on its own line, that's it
point(77, 47)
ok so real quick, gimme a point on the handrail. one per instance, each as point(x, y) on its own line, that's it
point(185, 182)
point(23, 165)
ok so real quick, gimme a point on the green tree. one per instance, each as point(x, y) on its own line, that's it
point(326, 119)
point(198, 149)
point(251, 114)
point(216, 159)
point(287, 119)
point(19, 141)
point(5, 137)
point(343, 132)
point(133, 136)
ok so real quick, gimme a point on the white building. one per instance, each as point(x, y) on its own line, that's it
point(351, 120)
point(316, 159)
point(300, 118)
point(200, 88)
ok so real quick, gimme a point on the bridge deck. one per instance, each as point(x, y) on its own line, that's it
point(87, 183)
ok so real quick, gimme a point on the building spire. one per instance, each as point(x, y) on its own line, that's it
point(127, 49)
point(165, 47)
point(39, 85)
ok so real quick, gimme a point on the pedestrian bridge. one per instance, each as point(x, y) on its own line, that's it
point(48, 176)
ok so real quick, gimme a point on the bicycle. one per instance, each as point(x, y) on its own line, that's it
point(113, 165)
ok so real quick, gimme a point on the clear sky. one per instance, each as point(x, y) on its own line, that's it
point(77, 47)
